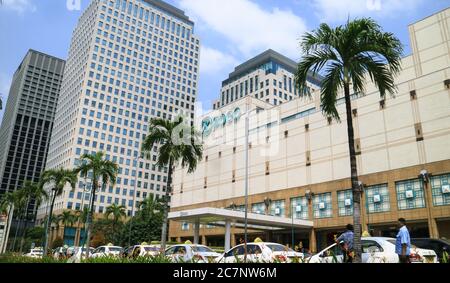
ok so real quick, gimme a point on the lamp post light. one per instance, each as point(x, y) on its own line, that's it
point(86, 189)
point(425, 177)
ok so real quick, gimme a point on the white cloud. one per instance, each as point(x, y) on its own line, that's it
point(336, 11)
point(249, 28)
point(213, 61)
point(19, 6)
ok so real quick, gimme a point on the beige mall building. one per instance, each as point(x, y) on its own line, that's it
point(299, 172)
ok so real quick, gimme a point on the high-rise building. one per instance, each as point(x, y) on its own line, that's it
point(268, 77)
point(28, 120)
point(129, 61)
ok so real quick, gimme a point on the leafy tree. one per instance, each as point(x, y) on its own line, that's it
point(57, 242)
point(345, 56)
point(177, 142)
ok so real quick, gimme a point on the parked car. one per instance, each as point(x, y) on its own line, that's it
point(187, 253)
point(105, 251)
point(70, 251)
point(79, 253)
point(374, 250)
point(261, 252)
point(60, 253)
point(143, 250)
point(438, 245)
point(35, 253)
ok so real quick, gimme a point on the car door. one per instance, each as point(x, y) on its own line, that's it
point(170, 253)
point(234, 255)
point(333, 254)
point(372, 252)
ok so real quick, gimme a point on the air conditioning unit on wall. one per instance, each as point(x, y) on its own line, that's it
point(446, 189)
point(409, 194)
point(348, 202)
point(376, 198)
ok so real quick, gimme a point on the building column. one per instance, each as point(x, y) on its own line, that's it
point(204, 240)
point(312, 241)
point(227, 235)
point(196, 231)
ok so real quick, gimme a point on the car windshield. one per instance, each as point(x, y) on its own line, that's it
point(201, 249)
point(278, 248)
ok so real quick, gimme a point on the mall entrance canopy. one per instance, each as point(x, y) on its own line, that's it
point(226, 217)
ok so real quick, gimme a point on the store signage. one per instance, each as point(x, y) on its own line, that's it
point(210, 124)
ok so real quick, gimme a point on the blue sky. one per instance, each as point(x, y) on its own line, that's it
point(231, 31)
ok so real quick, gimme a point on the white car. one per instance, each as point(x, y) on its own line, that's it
point(261, 252)
point(144, 250)
point(78, 254)
point(188, 253)
point(60, 253)
point(374, 250)
point(35, 253)
point(107, 251)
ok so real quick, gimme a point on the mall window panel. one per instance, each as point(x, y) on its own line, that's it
point(440, 189)
point(300, 208)
point(322, 206)
point(258, 208)
point(410, 194)
point(277, 208)
point(345, 202)
point(377, 199)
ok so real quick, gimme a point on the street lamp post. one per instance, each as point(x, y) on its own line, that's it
point(247, 129)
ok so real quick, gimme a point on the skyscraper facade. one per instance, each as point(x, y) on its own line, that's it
point(269, 77)
point(129, 61)
point(27, 124)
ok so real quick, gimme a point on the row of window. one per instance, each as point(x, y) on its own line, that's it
point(409, 194)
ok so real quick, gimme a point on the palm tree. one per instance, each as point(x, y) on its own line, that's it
point(82, 216)
point(57, 179)
point(117, 212)
point(7, 202)
point(68, 220)
point(31, 191)
point(20, 209)
point(148, 206)
point(56, 220)
point(178, 142)
point(345, 56)
point(101, 170)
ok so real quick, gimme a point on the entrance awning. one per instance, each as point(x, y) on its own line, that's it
point(210, 215)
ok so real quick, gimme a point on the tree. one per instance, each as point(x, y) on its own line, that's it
point(148, 207)
point(178, 142)
point(117, 212)
point(57, 180)
point(345, 55)
point(103, 171)
point(68, 219)
point(57, 242)
point(82, 216)
point(30, 191)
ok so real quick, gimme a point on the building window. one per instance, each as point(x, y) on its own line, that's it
point(377, 199)
point(205, 185)
point(345, 202)
point(322, 206)
point(258, 208)
point(299, 207)
point(267, 168)
point(410, 194)
point(440, 189)
point(185, 226)
point(277, 208)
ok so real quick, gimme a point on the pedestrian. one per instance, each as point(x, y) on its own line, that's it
point(403, 242)
point(345, 241)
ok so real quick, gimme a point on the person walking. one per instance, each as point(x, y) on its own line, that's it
point(345, 241)
point(403, 242)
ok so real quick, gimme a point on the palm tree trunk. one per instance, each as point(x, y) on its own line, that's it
point(17, 231)
point(22, 240)
point(90, 215)
point(354, 178)
point(166, 207)
point(47, 228)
